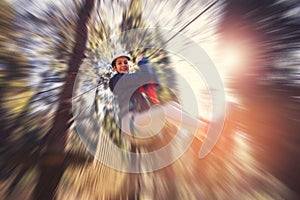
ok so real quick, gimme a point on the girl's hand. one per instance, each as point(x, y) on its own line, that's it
point(139, 58)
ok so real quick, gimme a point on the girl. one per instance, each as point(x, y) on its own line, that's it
point(136, 93)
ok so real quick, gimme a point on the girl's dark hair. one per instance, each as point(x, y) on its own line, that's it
point(113, 63)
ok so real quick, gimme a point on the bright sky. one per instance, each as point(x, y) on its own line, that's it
point(193, 89)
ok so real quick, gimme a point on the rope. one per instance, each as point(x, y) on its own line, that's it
point(184, 27)
point(101, 20)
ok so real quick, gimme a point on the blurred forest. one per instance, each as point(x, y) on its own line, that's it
point(46, 44)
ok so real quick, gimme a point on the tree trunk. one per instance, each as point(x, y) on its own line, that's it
point(53, 165)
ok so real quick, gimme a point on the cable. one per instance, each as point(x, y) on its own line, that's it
point(184, 27)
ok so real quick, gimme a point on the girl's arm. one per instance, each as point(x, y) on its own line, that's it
point(141, 77)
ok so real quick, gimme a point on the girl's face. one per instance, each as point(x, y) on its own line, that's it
point(122, 65)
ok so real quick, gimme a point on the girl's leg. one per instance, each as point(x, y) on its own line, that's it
point(151, 122)
point(147, 123)
point(177, 116)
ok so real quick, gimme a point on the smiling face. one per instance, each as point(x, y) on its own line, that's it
point(122, 65)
